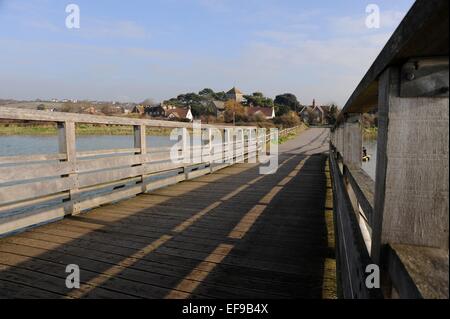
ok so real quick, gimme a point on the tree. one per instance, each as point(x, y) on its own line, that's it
point(281, 109)
point(332, 114)
point(234, 111)
point(220, 96)
point(206, 92)
point(289, 100)
point(290, 119)
point(258, 99)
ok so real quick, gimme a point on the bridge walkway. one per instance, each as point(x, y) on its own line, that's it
point(231, 234)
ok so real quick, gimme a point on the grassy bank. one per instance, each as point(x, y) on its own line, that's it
point(370, 133)
point(291, 135)
point(81, 129)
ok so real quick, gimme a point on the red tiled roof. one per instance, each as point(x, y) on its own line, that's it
point(178, 112)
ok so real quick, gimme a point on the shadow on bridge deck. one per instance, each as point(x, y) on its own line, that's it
point(232, 234)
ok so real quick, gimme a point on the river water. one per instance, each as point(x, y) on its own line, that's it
point(28, 145)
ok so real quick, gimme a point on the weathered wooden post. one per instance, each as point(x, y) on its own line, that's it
point(240, 150)
point(185, 150)
point(352, 152)
point(228, 149)
point(411, 195)
point(67, 145)
point(352, 146)
point(140, 143)
point(252, 145)
point(210, 148)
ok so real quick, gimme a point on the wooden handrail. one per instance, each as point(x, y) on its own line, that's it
point(45, 116)
point(352, 254)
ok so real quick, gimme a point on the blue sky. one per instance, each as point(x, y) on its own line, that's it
point(132, 50)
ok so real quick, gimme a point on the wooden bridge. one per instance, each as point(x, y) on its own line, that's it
point(230, 234)
point(139, 225)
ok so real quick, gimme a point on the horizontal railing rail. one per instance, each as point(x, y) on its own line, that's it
point(43, 116)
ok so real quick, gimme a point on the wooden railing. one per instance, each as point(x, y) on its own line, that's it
point(398, 222)
point(351, 251)
point(39, 188)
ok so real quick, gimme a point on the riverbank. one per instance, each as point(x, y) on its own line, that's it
point(81, 129)
point(370, 133)
point(91, 129)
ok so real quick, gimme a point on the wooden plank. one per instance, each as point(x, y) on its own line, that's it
point(31, 218)
point(96, 178)
point(114, 184)
point(98, 250)
point(388, 85)
point(67, 145)
point(164, 182)
point(411, 199)
point(418, 272)
point(33, 171)
point(353, 255)
point(140, 142)
point(352, 154)
point(83, 154)
point(15, 193)
point(97, 200)
point(40, 200)
point(111, 162)
point(102, 177)
point(31, 158)
point(361, 196)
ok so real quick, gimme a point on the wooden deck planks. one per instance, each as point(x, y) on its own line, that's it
point(196, 239)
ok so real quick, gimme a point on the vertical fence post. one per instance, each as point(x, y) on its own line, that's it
point(228, 149)
point(352, 153)
point(67, 145)
point(210, 148)
point(353, 141)
point(411, 192)
point(185, 150)
point(251, 146)
point(140, 142)
point(241, 149)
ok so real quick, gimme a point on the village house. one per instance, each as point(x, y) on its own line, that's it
point(155, 110)
point(217, 106)
point(314, 114)
point(138, 109)
point(267, 112)
point(179, 114)
point(159, 110)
